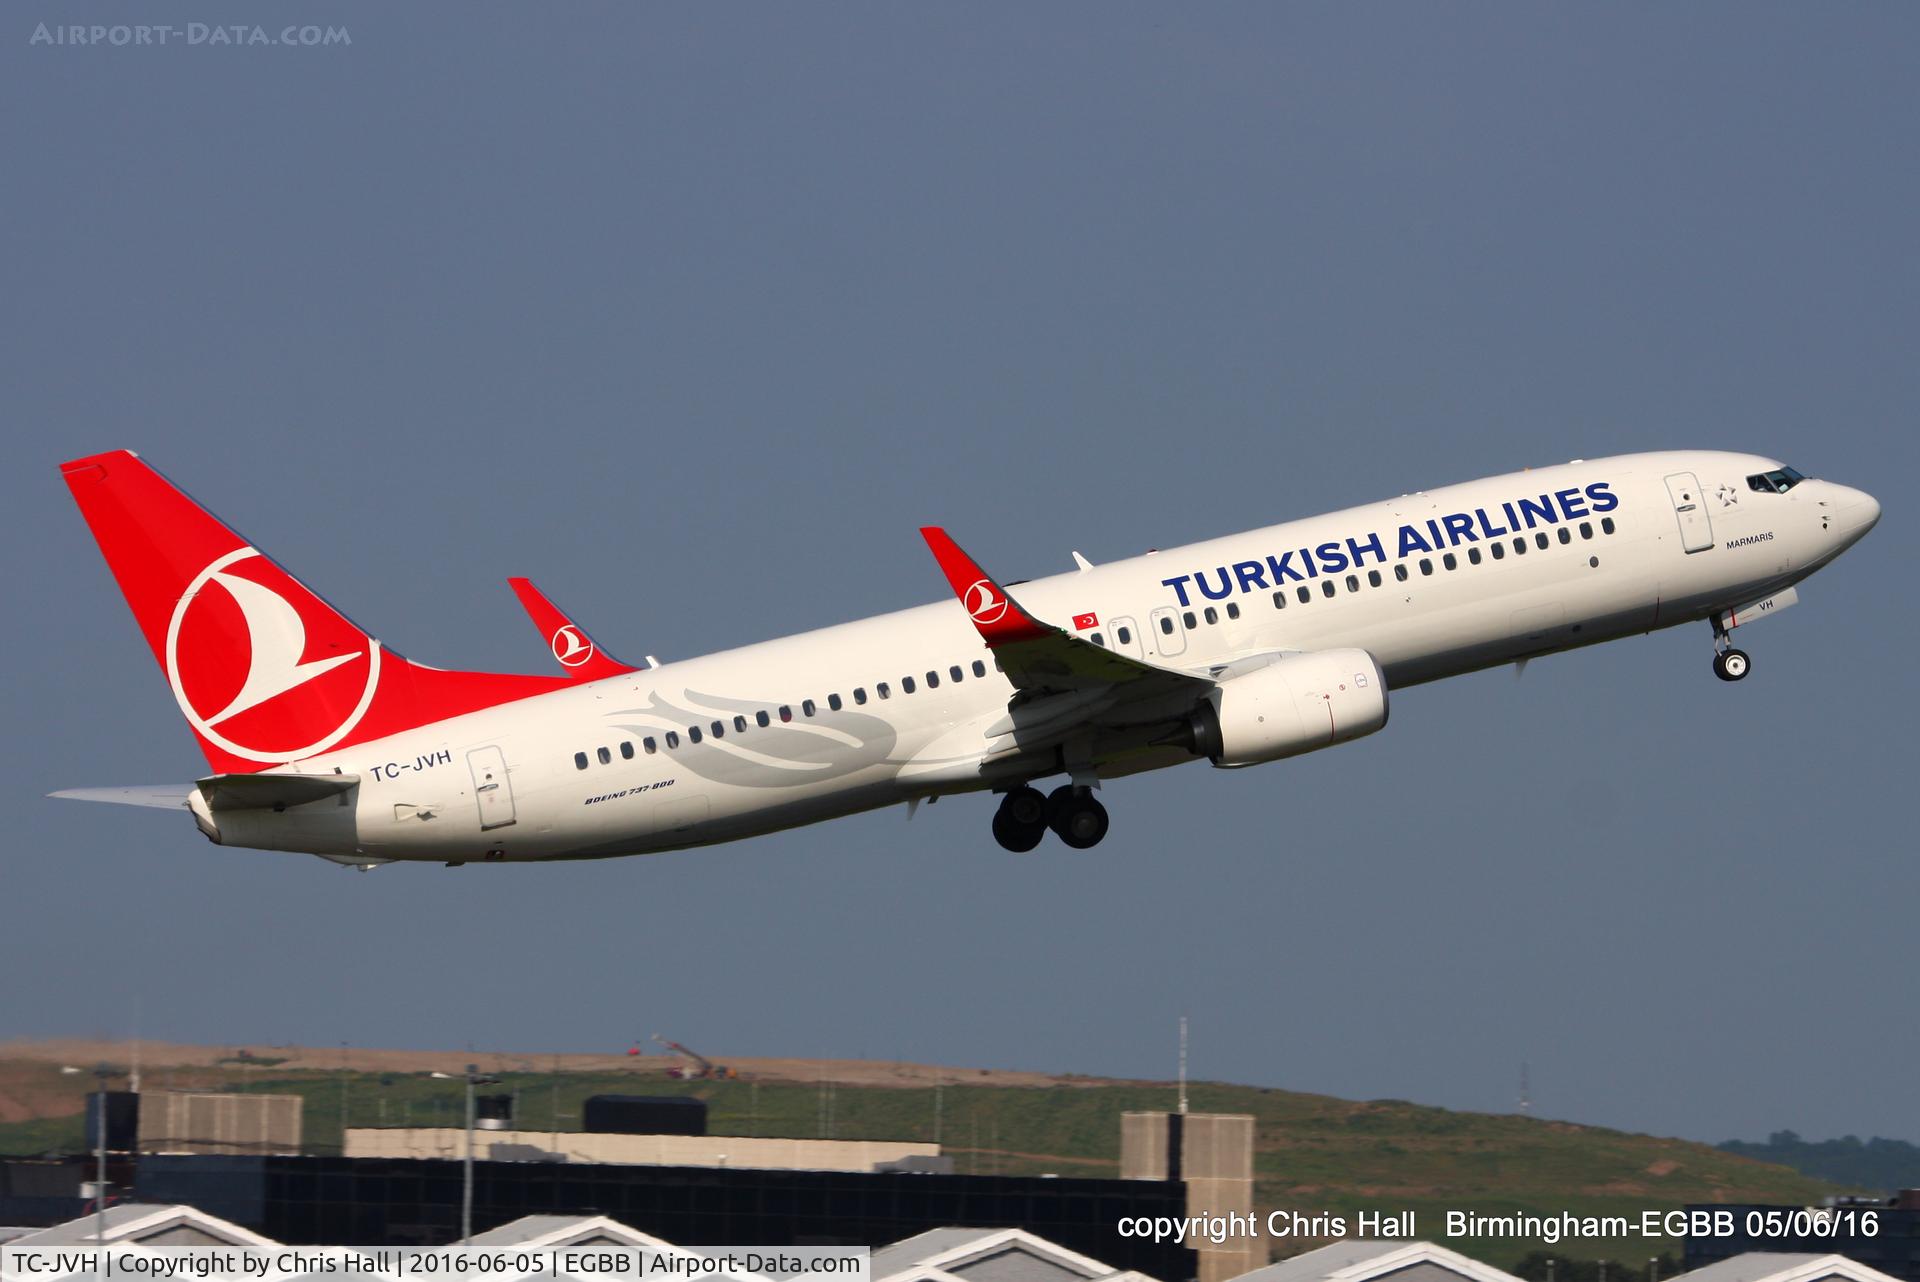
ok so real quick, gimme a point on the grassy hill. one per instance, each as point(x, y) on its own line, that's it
point(1314, 1153)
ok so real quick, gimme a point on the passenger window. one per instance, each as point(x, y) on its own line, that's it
point(1326, 588)
point(1426, 566)
point(806, 707)
point(1373, 578)
point(906, 685)
point(1400, 572)
point(673, 738)
point(1498, 549)
point(1540, 540)
point(1353, 583)
point(1280, 600)
point(1473, 556)
point(980, 669)
point(739, 725)
point(1566, 536)
point(626, 750)
point(933, 680)
point(604, 755)
point(761, 719)
point(1166, 624)
point(1586, 529)
point(883, 691)
point(1451, 561)
point(1097, 639)
point(1213, 615)
point(955, 672)
point(786, 712)
point(833, 702)
point(859, 694)
point(1606, 525)
point(579, 761)
point(1188, 619)
point(1233, 609)
point(1520, 547)
point(650, 746)
point(719, 730)
point(693, 734)
point(1302, 593)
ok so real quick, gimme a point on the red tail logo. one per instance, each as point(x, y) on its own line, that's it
point(263, 669)
point(253, 631)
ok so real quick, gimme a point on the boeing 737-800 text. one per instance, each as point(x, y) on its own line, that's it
point(1238, 651)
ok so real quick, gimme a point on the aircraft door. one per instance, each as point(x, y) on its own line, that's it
point(490, 787)
point(1126, 636)
point(1696, 528)
point(1169, 638)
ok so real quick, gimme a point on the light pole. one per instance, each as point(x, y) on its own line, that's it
point(100, 1073)
point(466, 1181)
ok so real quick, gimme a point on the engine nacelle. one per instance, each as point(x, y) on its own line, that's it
point(1295, 704)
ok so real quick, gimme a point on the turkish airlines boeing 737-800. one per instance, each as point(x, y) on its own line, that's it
point(1239, 650)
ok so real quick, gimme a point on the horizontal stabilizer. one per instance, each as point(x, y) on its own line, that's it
point(259, 792)
point(164, 796)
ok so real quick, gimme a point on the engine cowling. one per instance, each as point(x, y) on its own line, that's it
point(1295, 704)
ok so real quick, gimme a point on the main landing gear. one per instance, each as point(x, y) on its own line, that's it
point(1729, 664)
point(1070, 811)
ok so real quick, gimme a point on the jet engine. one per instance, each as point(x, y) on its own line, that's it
point(1293, 704)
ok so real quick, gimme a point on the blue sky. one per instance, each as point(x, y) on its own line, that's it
point(694, 313)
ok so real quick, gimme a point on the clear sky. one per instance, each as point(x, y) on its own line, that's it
point(694, 312)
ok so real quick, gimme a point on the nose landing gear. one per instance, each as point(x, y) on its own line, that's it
point(1729, 664)
point(1071, 812)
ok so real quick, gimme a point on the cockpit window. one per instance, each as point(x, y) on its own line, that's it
point(1774, 482)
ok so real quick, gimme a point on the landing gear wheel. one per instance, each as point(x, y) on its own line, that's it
point(1021, 820)
point(1076, 818)
point(1731, 665)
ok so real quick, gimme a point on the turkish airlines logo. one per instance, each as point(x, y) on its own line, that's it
point(571, 646)
point(252, 631)
point(984, 602)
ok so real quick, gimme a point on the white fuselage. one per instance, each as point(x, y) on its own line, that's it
point(1603, 572)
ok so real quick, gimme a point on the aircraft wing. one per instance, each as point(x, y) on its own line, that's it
point(572, 648)
point(1038, 657)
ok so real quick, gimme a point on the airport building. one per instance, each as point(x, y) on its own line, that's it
point(1892, 1248)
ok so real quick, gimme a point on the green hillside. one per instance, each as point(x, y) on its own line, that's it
point(1315, 1154)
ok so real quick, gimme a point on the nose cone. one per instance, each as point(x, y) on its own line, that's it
point(1854, 513)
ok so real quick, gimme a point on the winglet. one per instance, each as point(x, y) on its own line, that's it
point(571, 646)
point(999, 618)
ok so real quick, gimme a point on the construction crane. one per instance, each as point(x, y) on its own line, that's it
point(693, 1065)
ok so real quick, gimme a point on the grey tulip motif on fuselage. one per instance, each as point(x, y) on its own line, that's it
point(828, 745)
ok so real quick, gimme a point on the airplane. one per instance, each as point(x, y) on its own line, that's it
point(1238, 651)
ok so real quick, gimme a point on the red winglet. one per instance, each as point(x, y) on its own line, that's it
point(998, 616)
point(572, 648)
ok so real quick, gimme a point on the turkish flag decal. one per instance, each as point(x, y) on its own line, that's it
point(1081, 622)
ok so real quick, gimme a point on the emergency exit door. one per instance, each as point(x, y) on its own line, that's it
point(1696, 528)
point(490, 787)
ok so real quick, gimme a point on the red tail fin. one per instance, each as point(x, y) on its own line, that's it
point(263, 669)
